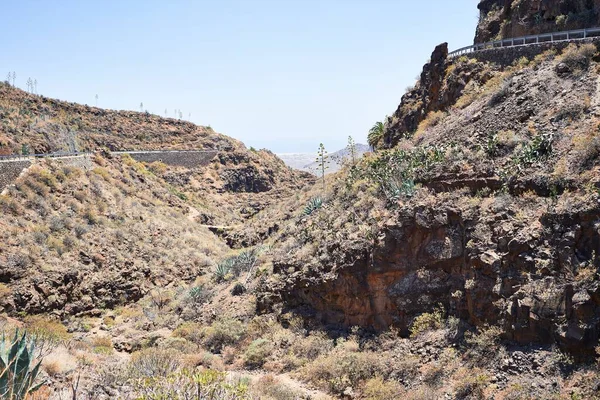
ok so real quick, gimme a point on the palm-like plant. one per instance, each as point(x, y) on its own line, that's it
point(376, 135)
point(18, 367)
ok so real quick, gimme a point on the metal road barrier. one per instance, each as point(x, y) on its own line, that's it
point(528, 40)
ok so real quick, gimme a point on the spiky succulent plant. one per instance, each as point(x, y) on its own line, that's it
point(18, 366)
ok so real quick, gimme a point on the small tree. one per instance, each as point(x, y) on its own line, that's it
point(351, 147)
point(376, 135)
point(322, 162)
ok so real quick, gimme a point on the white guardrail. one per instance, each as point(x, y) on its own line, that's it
point(531, 39)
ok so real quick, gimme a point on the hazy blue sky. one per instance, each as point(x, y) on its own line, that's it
point(280, 74)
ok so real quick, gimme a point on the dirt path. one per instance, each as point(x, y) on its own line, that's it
point(193, 213)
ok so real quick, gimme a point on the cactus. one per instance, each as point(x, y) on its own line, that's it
point(17, 370)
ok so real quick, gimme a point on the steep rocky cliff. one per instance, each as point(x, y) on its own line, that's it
point(441, 83)
point(501, 228)
point(512, 18)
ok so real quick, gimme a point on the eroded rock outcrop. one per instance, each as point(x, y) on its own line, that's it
point(442, 82)
point(512, 18)
point(480, 268)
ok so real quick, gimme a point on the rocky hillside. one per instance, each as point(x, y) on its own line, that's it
point(512, 18)
point(458, 261)
point(44, 125)
point(486, 208)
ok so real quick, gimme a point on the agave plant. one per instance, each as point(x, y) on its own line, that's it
point(18, 368)
point(313, 204)
point(222, 270)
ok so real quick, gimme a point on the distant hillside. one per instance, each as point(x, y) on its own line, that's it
point(45, 125)
point(306, 161)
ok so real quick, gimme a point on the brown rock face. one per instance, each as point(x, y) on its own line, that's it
point(423, 98)
point(441, 83)
point(511, 18)
point(432, 256)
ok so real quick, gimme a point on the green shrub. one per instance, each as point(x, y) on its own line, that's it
point(484, 344)
point(48, 333)
point(427, 322)
point(472, 387)
point(222, 333)
point(536, 150)
point(257, 353)
point(395, 171)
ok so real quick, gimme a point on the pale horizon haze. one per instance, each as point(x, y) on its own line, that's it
point(282, 75)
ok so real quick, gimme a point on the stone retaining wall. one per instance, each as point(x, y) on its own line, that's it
point(505, 56)
point(10, 170)
point(189, 159)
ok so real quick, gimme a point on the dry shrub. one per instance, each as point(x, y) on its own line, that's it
point(470, 384)
point(578, 57)
point(586, 148)
point(157, 168)
point(10, 206)
point(102, 345)
point(190, 331)
point(485, 344)
point(4, 291)
point(52, 368)
point(432, 119)
point(43, 393)
point(312, 346)
point(343, 368)
point(49, 333)
point(270, 388)
point(221, 333)
point(379, 389)
point(154, 362)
